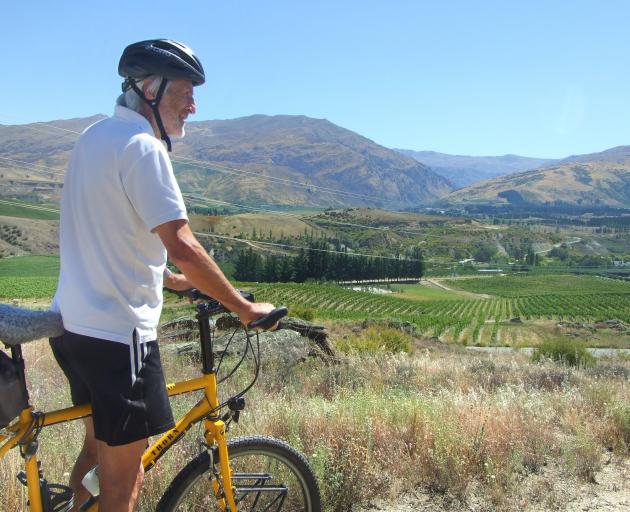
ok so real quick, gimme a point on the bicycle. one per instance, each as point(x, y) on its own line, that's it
point(253, 474)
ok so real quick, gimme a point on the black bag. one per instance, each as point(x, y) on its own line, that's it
point(13, 398)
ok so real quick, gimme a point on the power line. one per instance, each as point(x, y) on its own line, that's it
point(249, 242)
point(43, 167)
point(221, 168)
point(225, 237)
point(299, 217)
point(232, 170)
point(37, 168)
point(55, 126)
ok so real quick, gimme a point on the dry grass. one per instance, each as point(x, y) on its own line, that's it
point(378, 425)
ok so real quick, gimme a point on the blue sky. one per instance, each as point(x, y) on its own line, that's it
point(536, 78)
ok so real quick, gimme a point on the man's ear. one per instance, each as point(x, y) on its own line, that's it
point(145, 89)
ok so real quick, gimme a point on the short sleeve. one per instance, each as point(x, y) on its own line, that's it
point(151, 187)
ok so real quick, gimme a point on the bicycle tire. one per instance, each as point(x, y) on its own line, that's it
point(271, 475)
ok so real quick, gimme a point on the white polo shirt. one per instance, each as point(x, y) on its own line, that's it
point(118, 187)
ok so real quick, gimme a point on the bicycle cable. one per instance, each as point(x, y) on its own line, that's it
point(237, 366)
point(256, 359)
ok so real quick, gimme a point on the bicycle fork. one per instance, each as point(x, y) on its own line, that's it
point(215, 435)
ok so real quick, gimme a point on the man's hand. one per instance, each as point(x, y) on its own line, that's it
point(177, 282)
point(254, 312)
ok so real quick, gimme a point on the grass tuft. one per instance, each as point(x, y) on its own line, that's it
point(564, 351)
point(376, 339)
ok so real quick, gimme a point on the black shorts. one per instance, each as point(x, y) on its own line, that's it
point(124, 384)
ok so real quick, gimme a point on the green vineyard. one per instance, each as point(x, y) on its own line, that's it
point(462, 319)
point(521, 285)
point(488, 310)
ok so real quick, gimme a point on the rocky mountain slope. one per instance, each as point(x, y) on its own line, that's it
point(297, 160)
point(278, 160)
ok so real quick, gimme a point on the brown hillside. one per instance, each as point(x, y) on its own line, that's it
point(601, 179)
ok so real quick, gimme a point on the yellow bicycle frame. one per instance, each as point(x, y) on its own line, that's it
point(23, 432)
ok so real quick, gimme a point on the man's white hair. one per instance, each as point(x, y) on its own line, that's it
point(135, 102)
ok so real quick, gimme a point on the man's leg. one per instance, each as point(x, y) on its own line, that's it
point(87, 460)
point(120, 475)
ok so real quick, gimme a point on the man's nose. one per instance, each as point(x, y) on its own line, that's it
point(192, 107)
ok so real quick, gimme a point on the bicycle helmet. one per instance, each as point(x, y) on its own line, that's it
point(161, 57)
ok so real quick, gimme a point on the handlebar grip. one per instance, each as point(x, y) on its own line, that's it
point(268, 321)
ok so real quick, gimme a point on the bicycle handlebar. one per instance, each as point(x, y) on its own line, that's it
point(264, 322)
point(195, 294)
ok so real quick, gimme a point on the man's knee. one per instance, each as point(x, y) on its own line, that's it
point(120, 467)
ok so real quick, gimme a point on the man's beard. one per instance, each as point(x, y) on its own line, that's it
point(178, 137)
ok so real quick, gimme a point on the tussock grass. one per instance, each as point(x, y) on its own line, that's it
point(377, 339)
point(376, 424)
point(303, 312)
point(565, 351)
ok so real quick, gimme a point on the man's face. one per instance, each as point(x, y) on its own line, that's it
point(177, 103)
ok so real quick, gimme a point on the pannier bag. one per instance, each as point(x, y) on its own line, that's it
point(12, 395)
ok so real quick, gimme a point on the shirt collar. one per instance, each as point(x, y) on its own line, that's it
point(127, 114)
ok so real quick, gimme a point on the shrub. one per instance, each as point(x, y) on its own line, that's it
point(565, 351)
point(621, 417)
point(303, 312)
point(377, 339)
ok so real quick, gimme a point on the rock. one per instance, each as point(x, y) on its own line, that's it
point(292, 343)
point(314, 332)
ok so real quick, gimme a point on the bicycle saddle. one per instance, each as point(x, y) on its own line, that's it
point(20, 325)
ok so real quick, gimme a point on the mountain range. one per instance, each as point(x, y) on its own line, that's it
point(465, 170)
point(594, 180)
point(272, 160)
point(300, 161)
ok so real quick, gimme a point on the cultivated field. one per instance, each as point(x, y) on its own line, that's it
point(482, 321)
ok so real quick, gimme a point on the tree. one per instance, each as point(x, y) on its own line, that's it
point(248, 266)
point(300, 267)
point(532, 258)
point(485, 252)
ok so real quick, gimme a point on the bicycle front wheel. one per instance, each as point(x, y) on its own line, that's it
point(268, 475)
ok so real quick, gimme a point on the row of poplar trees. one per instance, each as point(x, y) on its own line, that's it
point(316, 263)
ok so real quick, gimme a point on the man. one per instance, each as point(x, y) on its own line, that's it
point(121, 213)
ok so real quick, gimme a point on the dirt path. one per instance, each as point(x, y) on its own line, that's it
point(437, 283)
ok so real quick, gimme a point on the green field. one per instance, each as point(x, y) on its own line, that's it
point(27, 287)
point(28, 277)
point(433, 312)
point(28, 211)
point(30, 266)
point(524, 285)
point(32, 277)
point(468, 321)
point(422, 292)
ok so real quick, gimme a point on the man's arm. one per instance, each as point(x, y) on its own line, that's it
point(201, 271)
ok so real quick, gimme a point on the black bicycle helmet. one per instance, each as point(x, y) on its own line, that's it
point(161, 57)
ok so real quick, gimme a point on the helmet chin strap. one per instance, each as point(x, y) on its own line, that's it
point(154, 106)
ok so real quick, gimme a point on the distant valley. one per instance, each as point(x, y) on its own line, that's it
point(465, 170)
